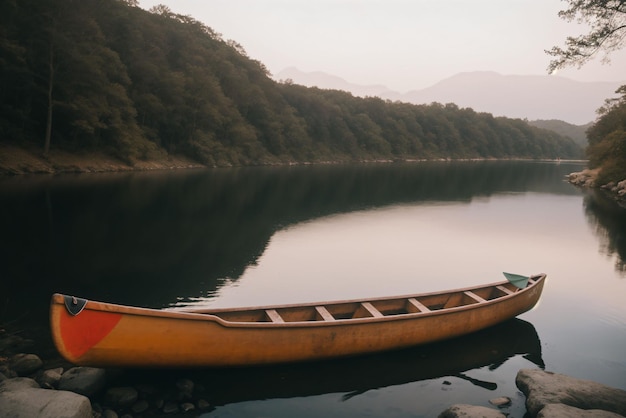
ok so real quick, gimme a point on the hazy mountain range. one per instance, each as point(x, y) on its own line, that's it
point(516, 96)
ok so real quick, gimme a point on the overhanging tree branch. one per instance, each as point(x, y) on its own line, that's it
point(607, 21)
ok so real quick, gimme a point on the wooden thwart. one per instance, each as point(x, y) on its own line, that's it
point(420, 306)
point(474, 296)
point(372, 310)
point(274, 316)
point(324, 313)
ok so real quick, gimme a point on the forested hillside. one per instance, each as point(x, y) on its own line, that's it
point(106, 75)
point(577, 132)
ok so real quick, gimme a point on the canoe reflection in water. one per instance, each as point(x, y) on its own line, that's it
point(354, 376)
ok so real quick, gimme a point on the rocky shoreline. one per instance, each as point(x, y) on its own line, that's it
point(588, 179)
point(31, 387)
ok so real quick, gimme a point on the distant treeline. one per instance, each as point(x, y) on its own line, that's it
point(106, 75)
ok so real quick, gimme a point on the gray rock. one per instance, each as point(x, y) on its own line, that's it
point(185, 385)
point(470, 411)
point(140, 406)
point(18, 383)
point(170, 408)
point(7, 372)
point(83, 380)
point(51, 377)
point(501, 401)
point(187, 406)
point(564, 411)
point(121, 396)
point(42, 403)
point(543, 388)
point(96, 409)
point(585, 178)
point(25, 364)
point(108, 413)
point(3, 377)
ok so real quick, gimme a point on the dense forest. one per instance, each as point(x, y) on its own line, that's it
point(106, 75)
point(607, 140)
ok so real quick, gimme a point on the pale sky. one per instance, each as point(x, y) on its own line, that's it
point(402, 44)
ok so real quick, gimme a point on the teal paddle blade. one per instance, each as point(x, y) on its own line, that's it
point(517, 280)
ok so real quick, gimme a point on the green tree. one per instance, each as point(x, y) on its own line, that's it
point(607, 140)
point(607, 22)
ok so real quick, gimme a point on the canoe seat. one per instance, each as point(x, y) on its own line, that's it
point(274, 316)
point(323, 312)
point(372, 310)
point(474, 296)
point(419, 305)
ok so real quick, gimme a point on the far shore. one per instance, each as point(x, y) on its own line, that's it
point(17, 160)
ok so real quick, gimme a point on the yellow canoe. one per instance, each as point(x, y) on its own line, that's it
point(92, 333)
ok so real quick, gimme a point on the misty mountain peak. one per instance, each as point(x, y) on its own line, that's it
point(517, 96)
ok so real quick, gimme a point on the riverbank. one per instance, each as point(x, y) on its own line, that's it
point(16, 160)
point(588, 179)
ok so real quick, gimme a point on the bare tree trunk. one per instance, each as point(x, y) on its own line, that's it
point(46, 148)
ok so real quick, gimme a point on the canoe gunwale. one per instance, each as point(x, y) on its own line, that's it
point(211, 315)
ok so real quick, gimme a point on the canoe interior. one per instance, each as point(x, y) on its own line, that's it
point(377, 308)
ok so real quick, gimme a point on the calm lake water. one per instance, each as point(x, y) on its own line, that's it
point(250, 236)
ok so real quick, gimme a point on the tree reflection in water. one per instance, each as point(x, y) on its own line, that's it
point(608, 220)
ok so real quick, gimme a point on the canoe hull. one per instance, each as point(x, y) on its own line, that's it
point(111, 335)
